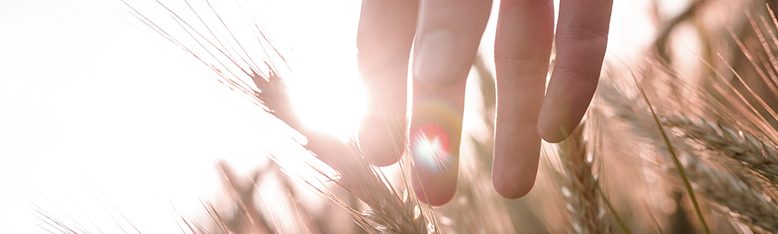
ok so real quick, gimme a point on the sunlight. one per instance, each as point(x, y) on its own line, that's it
point(326, 91)
point(333, 102)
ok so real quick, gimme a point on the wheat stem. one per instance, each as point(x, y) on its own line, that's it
point(677, 163)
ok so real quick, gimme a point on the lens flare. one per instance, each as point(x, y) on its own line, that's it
point(431, 148)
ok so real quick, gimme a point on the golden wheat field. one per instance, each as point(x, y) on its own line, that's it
point(205, 116)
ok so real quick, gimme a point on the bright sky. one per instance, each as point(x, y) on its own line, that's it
point(91, 98)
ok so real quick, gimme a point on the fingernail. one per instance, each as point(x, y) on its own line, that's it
point(435, 56)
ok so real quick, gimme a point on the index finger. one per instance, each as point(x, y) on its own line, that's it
point(581, 38)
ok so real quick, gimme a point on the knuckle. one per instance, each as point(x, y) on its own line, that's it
point(524, 67)
point(578, 77)
point(584, 33)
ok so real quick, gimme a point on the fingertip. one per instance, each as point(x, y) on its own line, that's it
point(554, 132)
point(567, 100)
point(435, 193)
point(562, 112)
point(512, 188)
point(381, 154)
point(382, 141)
point(515, 168)
point(434, 199)
point(516, 157)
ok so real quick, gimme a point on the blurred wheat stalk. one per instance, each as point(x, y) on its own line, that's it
point(614, 175)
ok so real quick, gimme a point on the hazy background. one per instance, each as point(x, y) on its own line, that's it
point(98, 111)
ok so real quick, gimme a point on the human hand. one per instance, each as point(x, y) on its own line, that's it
point(447, 34)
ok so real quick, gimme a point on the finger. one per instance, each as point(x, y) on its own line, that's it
point(386, 30)
point(522, 47)
point(582, 34)
point(446, 43)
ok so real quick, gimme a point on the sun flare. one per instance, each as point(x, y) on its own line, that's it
point(334, 104)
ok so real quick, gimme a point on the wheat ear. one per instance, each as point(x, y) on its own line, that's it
point(758, 156)
point(739, 198)
point(580, 188)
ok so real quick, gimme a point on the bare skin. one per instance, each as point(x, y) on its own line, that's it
point(445, 35)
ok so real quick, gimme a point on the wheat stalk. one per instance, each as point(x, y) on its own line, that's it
point(581, 183)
